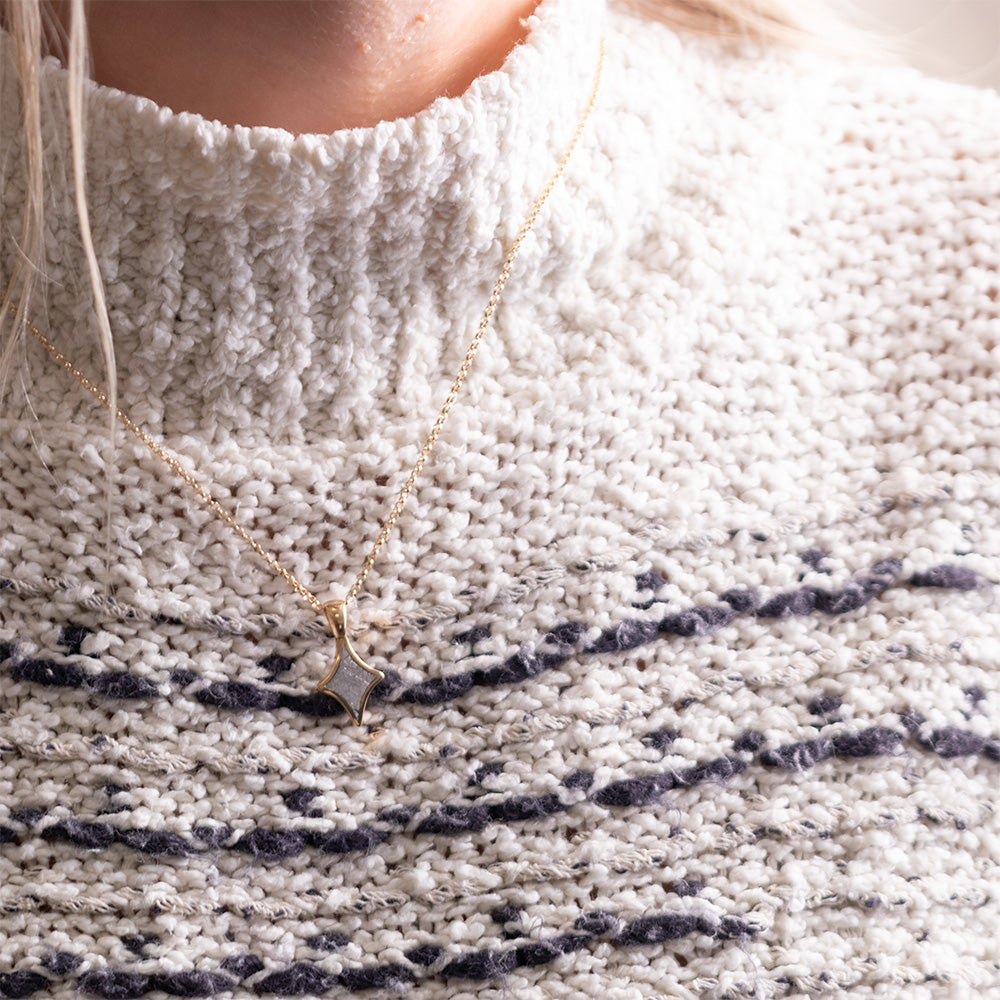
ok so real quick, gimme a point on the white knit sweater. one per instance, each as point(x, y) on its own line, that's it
point(689, 626)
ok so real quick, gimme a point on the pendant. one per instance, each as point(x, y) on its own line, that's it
point(350, 679)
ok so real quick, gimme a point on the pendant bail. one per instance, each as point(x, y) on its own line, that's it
point(336, 618)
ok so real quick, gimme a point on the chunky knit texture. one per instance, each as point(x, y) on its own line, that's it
point(690, 626)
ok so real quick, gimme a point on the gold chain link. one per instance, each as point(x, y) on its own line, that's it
point(226, 517)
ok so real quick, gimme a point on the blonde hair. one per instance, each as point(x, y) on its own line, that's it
point(31, 32)
point(763, 22)
point(33, 29)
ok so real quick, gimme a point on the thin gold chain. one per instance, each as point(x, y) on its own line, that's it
point(226, 517)
point(220, 512)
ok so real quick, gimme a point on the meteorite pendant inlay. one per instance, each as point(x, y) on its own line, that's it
point(350, 680)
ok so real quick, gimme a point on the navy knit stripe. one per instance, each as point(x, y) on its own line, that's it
point(112, 684)
point(62, 962)
point(522, 665)
point(305, 978)
point(635, 633)
point(21, 984)
point(266, 845)
point(112, 984)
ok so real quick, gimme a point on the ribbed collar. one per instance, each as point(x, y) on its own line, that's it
point(257, 279)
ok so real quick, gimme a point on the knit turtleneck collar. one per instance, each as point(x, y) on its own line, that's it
point(258, 279)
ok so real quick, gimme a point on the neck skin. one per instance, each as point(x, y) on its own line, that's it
point(300, 65)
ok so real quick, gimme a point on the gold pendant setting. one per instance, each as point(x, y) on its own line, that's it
point(350, 680)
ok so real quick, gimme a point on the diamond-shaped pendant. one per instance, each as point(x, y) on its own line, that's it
point(350, 680)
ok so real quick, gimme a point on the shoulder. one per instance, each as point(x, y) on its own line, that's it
point(818, 96)
point(858, 160)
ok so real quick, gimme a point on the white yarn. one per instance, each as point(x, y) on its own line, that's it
point(752, 344)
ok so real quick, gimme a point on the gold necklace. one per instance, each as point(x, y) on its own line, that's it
point(350, 679)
